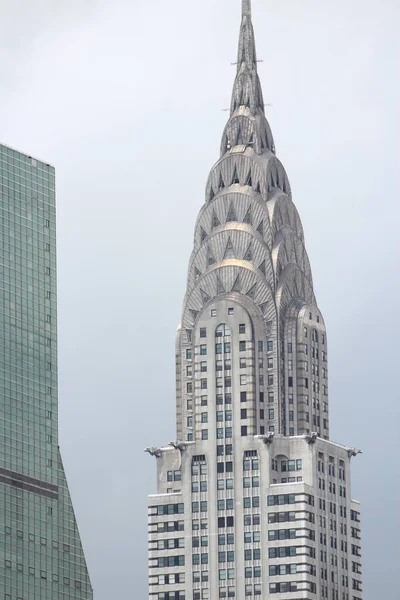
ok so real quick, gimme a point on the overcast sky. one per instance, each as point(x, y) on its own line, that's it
point(126, 99)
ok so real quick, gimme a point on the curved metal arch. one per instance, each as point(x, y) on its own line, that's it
point(287, 242)
point(228, 271)
point(245, 128)
point(243, 198)
point(217, 243)
point(283, 212)
point(293, 284)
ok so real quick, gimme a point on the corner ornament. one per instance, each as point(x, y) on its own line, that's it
point(267, 439)
point(352, 452)
point(153, 451)
point(311, 438)
point(178, 445)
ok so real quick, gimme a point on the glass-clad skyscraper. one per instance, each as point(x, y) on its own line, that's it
point(41, 556)
point(253, 499)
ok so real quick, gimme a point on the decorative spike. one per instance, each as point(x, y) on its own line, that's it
point(246, 8)
point(247, 88)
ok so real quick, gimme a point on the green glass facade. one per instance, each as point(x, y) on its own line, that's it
point(41, 556)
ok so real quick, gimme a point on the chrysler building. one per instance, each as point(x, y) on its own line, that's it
point(253, 499)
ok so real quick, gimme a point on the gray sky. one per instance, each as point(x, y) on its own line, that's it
point(125, 98)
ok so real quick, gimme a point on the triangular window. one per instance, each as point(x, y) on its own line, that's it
point(248, 179)
point(260, 228)
point(263, 307)
point(239, 139)
point(247, 218)
point(211, 196)
point(229, 250)
point(220, 287)
point(203, 234)
point(221, 184)
point(235, 176)
point(215, 220)
point(194, 313)
point(197, 274)
point(231, 216)
point(204, 296)
point(262, 267)
point(249, 253)
point(252, 292)
point(258, 188)
point(210, 258)
point(236, 285)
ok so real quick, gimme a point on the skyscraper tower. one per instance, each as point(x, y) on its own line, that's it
point(253, 499)
point(41, 556)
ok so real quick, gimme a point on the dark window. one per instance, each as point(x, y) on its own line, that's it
point(243, 413)
point(203, 332)
point(244, 430)
point(242, 328)
point(243, 396)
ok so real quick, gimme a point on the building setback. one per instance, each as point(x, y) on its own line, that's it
point(253, 499)
point(41, 556)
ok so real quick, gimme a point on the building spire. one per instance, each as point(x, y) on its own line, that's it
point(246, 8)
point(247, 88)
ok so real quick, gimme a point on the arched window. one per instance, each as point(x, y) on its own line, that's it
point(222, 331)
